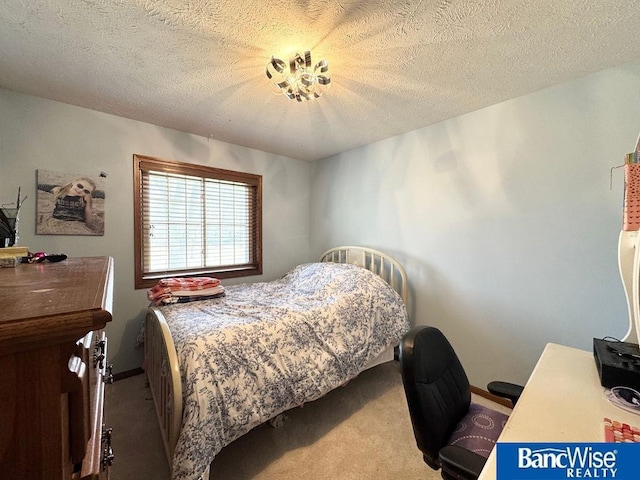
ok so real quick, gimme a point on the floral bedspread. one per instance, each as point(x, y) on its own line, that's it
point(267, 347)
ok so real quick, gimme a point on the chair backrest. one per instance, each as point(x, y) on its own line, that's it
point(436, 387)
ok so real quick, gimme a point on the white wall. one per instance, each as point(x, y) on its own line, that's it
point(503, 219)
point(41, 134)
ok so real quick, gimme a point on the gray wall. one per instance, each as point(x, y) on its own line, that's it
point(41, 134)
point(503, 219)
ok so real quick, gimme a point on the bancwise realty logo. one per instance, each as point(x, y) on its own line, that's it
point(561, 461)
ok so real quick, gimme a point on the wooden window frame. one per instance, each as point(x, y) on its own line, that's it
point(144, 164)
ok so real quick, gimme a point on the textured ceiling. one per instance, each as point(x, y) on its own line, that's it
point(198, 66)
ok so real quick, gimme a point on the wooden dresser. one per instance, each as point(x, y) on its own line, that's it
point(53, 369)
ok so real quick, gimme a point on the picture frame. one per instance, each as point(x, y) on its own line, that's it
point(70, 203)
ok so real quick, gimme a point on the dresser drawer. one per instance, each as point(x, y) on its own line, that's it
point(98, 454)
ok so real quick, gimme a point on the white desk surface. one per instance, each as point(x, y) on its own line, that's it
point(562, 401)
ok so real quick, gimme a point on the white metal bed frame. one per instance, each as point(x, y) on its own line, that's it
point(161, 360)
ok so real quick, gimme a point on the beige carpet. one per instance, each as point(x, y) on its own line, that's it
point(360, 431)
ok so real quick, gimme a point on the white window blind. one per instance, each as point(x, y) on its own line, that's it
point(194, 223)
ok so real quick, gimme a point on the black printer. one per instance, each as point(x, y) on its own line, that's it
point(618, 363)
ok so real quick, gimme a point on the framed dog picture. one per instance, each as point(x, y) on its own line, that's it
point(69, 203)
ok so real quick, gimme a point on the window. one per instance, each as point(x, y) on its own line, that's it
point(195, 220)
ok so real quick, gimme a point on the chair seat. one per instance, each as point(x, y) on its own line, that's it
point(479, 429)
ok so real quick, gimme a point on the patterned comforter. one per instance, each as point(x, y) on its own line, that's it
point(267, 347)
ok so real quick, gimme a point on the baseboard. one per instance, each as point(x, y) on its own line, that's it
point(494, 398)
point(127, 374)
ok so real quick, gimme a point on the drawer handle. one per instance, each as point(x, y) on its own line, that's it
point(98, 361)
point(108, 456)
point(99, 354)
point(108, 378)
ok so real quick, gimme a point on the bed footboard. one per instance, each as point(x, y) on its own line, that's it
point(165, 383)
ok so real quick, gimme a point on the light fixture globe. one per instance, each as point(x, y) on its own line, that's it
point(299, 81)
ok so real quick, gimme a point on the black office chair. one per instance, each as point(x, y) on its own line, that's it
point(451, 432)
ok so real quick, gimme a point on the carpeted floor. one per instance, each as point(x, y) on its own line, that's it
point(359, 431)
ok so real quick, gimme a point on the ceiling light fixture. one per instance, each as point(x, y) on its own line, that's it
point(299, 81)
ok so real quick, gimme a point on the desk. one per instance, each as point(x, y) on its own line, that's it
point(562, 401)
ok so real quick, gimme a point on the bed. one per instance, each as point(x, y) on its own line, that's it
point(218, 368)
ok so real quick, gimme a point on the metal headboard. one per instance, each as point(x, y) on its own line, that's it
point(378, 262)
